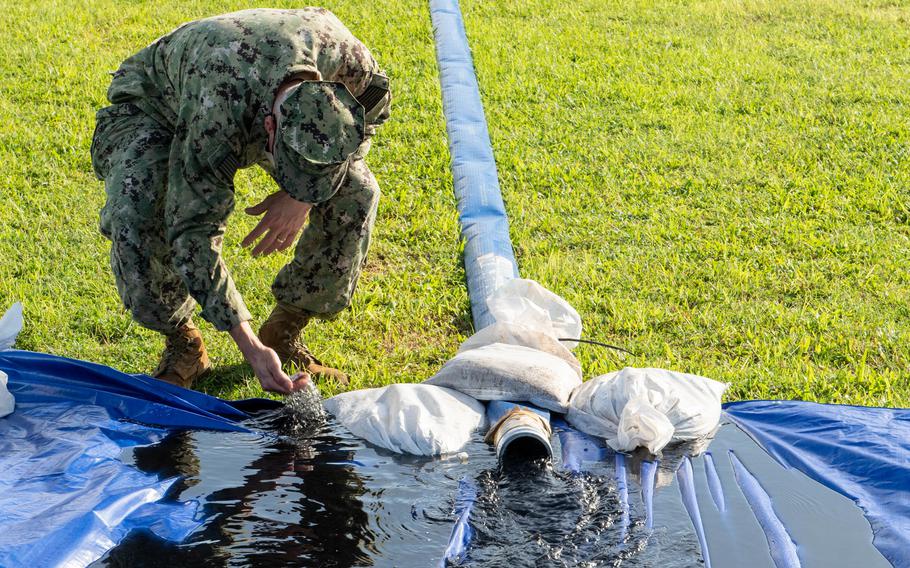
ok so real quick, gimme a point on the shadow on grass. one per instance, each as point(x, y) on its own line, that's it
point(227, 381)
point(464, 320)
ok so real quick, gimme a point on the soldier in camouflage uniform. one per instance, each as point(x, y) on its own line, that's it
point(290, 90)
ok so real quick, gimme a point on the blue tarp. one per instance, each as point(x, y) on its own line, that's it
point(65, 495)
point(862, 453)
point(36, 377)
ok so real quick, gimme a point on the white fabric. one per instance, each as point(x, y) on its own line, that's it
point(510, 372)
point(646, 407)
point(409, 418)
point(642, 425)
point(10, 326)
point(526, 302)
point(7, 402)
point(517, 334)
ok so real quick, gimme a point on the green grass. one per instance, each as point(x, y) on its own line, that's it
point(722, 187)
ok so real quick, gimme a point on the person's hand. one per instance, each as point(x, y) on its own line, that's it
point(267, 366)
point(265, 362)
point(284, 217)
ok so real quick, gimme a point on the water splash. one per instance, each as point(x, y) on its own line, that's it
point(304, 410)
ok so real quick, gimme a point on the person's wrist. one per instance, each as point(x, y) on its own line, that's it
point(246, 340)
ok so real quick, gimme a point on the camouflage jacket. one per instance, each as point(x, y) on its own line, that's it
point(212, 82)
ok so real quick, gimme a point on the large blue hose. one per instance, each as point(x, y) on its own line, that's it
point(488, 256)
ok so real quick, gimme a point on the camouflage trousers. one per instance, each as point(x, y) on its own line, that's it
point(130, 154)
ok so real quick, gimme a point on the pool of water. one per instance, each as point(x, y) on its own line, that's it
point(304, 492)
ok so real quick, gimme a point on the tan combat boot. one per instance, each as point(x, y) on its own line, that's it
point(184, 358)
point(281, 333)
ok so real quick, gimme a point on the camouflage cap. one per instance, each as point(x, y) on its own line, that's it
point(321, 125)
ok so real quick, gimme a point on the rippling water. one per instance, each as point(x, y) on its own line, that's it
point(300, 491)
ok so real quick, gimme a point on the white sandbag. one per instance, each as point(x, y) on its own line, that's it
point(410, 419)
point(526, 302)
point(7, 402)
point(646, 407)
point(517, 334)
point(642, 425)
point(510, 372)
point(10, 326)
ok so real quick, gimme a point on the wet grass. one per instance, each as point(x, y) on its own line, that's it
point(721, 187)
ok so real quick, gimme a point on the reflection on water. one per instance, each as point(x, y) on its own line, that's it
point(303, 492)
point(269, 500)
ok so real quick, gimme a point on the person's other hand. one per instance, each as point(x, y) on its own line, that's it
point(284, 217)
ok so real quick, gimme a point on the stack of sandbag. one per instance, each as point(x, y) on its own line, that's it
point(519, 358)
point(647, 408)
point(408, 418)
point(10, 326)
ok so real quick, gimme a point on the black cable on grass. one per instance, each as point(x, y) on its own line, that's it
point(592, 342)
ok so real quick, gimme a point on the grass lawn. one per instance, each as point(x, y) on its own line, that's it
point(722, 187)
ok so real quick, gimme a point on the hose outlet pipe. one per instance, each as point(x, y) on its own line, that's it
point(520, 433)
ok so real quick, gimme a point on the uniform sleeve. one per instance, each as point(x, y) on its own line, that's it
point(199, 199)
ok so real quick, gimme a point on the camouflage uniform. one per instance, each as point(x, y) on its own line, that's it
point(187, 112)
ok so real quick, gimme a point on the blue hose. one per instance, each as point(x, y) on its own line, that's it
point(488, 257)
